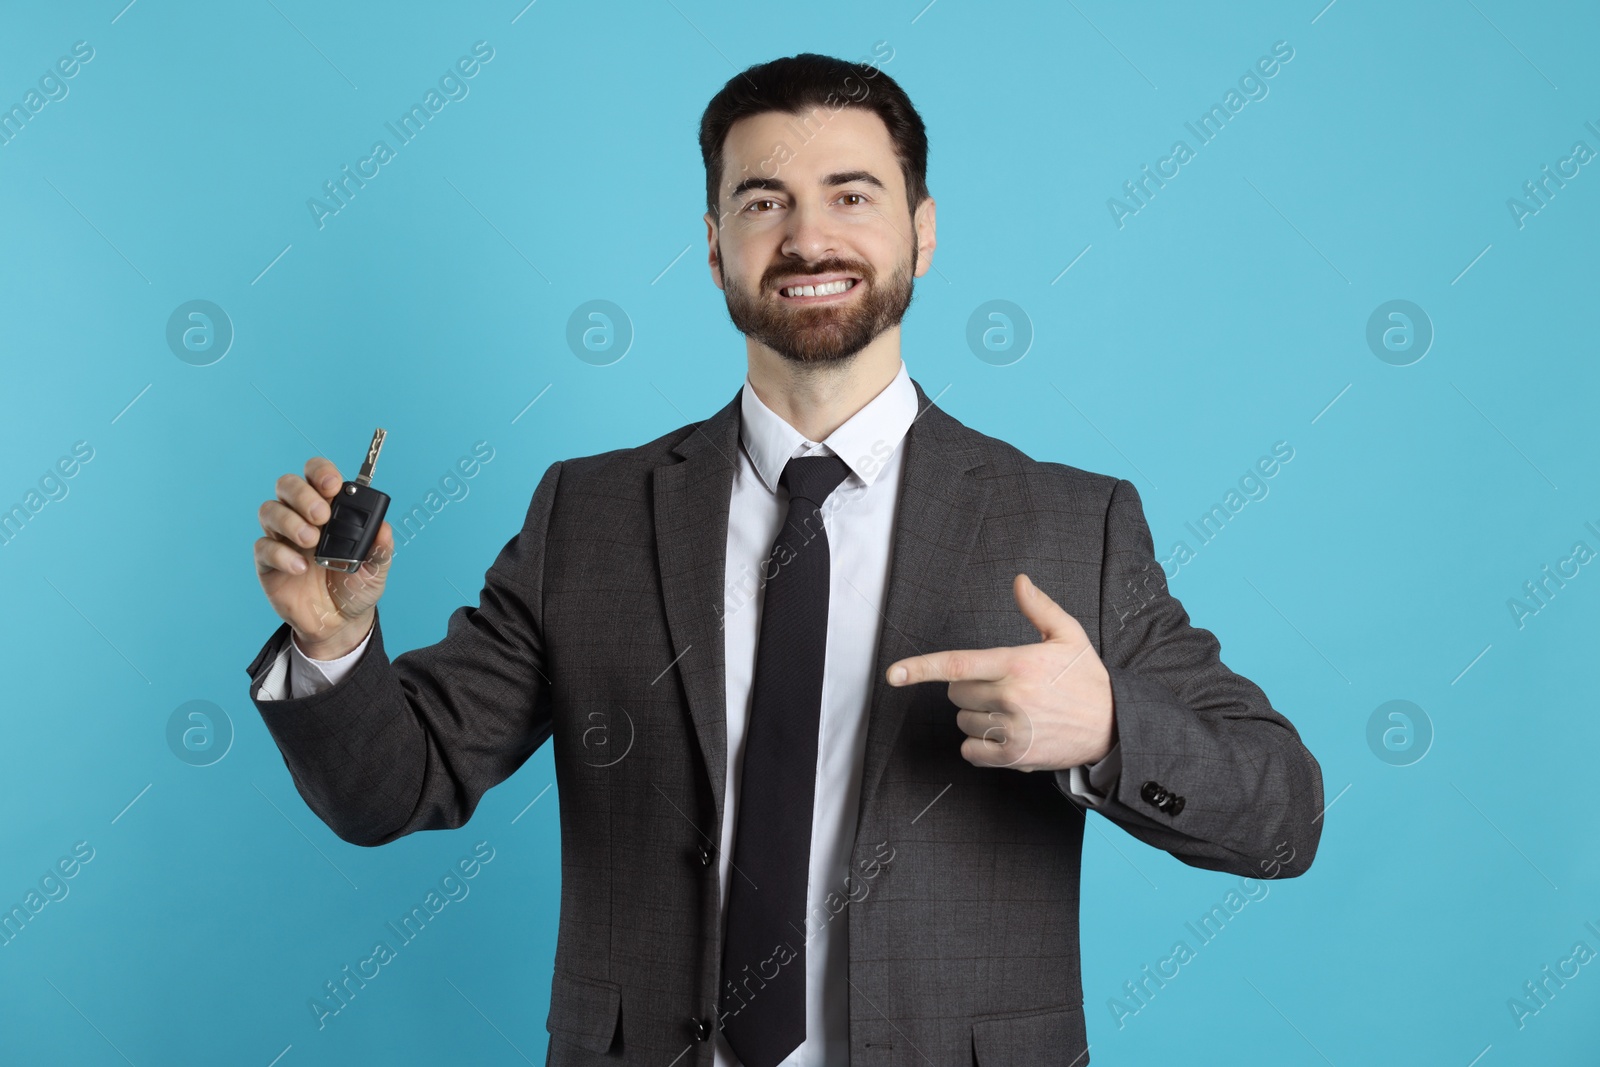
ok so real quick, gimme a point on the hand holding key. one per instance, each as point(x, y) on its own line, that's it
point(324, 578)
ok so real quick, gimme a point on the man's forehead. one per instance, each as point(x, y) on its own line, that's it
point(806, 146)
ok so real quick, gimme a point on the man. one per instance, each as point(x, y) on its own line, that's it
point(799, 664)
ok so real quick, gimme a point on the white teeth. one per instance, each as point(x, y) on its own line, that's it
point(826, 289)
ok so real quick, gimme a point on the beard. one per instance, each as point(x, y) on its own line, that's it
point(820, 334)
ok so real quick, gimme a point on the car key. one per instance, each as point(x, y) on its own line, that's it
point(356, 516)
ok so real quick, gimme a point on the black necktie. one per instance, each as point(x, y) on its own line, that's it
point(763, 1002)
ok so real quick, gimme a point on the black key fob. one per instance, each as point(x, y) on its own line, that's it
point(356, 516)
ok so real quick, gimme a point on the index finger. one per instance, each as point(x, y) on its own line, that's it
point(960, 665)
point(323, 476)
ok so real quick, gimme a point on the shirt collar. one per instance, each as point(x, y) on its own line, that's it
point(865, 441)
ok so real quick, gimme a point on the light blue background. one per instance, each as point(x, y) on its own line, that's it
point(1228, 314)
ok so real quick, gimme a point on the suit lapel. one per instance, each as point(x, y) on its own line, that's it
point(936, 525)
point(937, 518)
point(691, 522)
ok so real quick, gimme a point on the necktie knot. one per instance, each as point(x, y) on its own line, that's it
point(813, 477)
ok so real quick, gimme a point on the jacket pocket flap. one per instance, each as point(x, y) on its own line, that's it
point(584, 1011)
point(1052, 1036)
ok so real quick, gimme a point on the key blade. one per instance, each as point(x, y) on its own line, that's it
point(365, 477)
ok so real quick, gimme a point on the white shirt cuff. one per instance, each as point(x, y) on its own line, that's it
point(306, 676)
point(1093, 783)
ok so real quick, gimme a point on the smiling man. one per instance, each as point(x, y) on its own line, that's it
point(831, 679)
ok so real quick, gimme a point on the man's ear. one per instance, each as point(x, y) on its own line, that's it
point(926, 235)
point(713, 258)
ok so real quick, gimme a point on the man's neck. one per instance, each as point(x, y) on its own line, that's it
point(818, 399)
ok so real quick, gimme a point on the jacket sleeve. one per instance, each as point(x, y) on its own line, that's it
point(1189, 727)
point(414, 743)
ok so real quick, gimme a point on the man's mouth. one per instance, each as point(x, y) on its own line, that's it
point(818, 291)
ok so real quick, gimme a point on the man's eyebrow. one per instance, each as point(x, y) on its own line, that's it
point(776, 185)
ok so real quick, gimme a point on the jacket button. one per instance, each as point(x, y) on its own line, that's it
point(702, 1029)
point(1174, 805)
point(705, 856)
point(1154, 794)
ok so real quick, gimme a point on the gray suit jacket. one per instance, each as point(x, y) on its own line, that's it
point(604, 609)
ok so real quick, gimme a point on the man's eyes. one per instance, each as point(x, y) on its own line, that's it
point(768, 200)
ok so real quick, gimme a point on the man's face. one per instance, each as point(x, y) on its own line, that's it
point(816, 199)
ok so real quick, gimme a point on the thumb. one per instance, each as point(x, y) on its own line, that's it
point(377, 562)
point(353, 593)
point(1049, 618)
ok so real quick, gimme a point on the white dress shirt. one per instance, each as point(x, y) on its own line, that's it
point(859, 519)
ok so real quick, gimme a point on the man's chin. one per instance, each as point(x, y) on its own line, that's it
point(814, 335)
point(814, 352)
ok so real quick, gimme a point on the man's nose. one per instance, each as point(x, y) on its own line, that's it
point(810, 235)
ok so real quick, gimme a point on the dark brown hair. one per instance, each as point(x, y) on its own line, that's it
point(797, 84)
